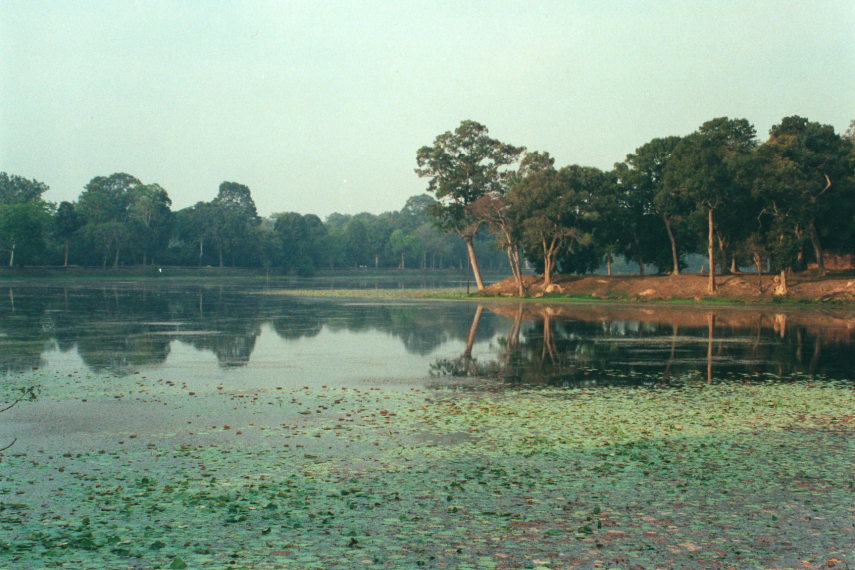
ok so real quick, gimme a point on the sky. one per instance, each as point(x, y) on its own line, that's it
point(320, 106)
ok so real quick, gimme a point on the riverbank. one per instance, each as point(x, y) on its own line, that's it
point(737, 289)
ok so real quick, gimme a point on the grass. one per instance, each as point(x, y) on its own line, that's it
point(755, 474)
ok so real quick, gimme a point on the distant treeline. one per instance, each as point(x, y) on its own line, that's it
point(119, 221)
point(777, 205)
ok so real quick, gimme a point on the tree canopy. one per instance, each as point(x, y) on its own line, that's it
point(781, 204)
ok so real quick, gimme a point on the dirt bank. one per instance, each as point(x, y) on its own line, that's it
point(740, 287)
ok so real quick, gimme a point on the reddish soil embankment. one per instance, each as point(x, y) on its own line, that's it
point(742, 287)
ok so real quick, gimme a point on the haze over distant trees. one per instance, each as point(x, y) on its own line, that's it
point(780, 204)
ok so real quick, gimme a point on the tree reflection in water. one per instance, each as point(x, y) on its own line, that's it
point(584, 345)
point(120, 328)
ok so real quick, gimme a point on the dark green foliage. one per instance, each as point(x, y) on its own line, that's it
point(781, 204)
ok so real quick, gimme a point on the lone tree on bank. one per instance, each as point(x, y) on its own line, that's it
point(464, 166)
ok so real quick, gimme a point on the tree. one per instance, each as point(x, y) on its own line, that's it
point(150, 217)
point(104, 203)
point(22, 228)
point(66, 222)
point(194, 226)
point(463, 166)
point(16, 189)
point(24, 215)
point(643, 196)
point(554, 208)
point(703, 169)
point(356, 242)
point(234, 216)
point(811, 167)
point(404, 245)
point(303, 242)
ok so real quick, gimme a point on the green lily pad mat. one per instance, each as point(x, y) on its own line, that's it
point(758, 475)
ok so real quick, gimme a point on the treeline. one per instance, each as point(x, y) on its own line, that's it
point(779, 205)
point(118, 220)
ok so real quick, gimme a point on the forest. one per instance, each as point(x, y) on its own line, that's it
point(783, 204)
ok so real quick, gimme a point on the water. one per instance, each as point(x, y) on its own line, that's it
point(244, 336)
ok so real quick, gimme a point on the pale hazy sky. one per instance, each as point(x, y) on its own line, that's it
point(320, 106)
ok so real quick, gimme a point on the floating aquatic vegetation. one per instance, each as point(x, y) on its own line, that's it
point(730, 475)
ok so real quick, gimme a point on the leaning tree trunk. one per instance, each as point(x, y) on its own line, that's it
point(12, 255)
point(516, 268)
point(711, 287)
point(675, 257)
point(473, 262)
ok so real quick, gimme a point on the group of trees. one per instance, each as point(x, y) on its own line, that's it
point(777, 205)
point(118, 220)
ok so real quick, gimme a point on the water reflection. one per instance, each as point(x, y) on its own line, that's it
point(119, 329)
point(123, 328)
point(565, 345)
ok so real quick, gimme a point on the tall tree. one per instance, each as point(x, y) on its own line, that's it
point(235, 215)
point(195, 226)
point(22, 228)
point(24, 215)
point(104, 204)
point(463, 166)
point(16, 189)
point(150, 217)
point(66, 222)
point(303, 242)
point(642, 196)
point(704, 168)
point(554, 207)
point(811, 166)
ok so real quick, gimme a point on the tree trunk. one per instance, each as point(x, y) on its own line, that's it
point(609, 264)
point(711, 288)
point(722, 249)
point(514, 262)
point(473, 262)
point(758, 263)
point(116, 258)
point(65, 259)
point(817, 247)
point(547, 265)
point(221, 255)
point(12, 255)
point(781, 287)
point(675, 257)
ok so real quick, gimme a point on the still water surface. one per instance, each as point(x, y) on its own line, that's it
point(251, 337)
